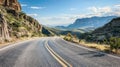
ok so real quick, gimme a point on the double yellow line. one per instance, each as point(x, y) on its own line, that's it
point(57, 57)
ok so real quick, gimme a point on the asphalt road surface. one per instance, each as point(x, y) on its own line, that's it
point(54, 52)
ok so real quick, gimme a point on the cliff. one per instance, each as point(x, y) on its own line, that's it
point(16, 24)
point(11, 4)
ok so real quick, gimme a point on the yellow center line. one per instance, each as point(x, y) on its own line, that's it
point(57, 57)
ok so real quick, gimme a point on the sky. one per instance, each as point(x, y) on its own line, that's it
point(65, 12)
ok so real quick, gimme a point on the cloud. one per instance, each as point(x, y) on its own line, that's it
point(32, 15)
point(118, 5)
point(72, 9)
point(105, 11)
point(100, 9)
point(24, 5)
point(93, 9)
point(66, 19)
point(36, 7)
point(63, 19)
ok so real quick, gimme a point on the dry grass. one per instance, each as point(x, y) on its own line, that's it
point(94, 45)
point(101, 47)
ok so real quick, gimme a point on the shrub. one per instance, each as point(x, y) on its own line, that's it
point(114, 43)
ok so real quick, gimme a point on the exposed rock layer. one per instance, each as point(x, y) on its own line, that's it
point(16, 24)
point(4, 34)
point(12, 4)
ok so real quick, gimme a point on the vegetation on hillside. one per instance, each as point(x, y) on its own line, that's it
point(17, 24)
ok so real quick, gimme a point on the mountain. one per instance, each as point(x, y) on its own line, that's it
point(14, 23)
point(93, 22)
point(111, 29)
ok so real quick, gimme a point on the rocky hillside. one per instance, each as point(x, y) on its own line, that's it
point(111, 29)
point(14, 23)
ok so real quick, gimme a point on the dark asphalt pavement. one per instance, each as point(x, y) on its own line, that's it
point(33, 53)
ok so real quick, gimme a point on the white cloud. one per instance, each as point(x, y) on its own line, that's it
point(118, 5)
point(100, 9)
point(105, 11)
point(66, 19)
point(32, 15)
point(72, 9)
point(36, 7)
point(24, 5)
point(63, 19)
point(93, 9)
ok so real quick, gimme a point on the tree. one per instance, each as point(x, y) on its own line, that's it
point(117, 45)
point(114, 43)
point(68, 37)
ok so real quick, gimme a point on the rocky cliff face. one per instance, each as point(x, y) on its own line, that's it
point(16, 24)
point(4, 34)
point(12, 4)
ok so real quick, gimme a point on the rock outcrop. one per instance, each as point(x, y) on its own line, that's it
point(4, 33)
point(16, 24)
point(12, 4)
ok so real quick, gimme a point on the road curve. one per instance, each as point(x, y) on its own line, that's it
point(54, 52)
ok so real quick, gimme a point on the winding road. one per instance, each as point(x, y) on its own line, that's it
point(54, 52)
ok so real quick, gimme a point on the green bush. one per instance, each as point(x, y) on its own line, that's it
point(114, 43)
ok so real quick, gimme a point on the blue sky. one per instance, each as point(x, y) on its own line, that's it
point(64, 12)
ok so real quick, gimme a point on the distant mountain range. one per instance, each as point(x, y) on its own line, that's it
point(93, 22)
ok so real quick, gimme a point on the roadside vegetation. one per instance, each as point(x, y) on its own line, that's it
point(114, 43)
point(110, 45)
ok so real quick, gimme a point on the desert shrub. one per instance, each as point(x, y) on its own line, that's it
point(114, 43)
point(69, 37)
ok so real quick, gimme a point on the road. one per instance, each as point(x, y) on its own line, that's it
point(54, 52)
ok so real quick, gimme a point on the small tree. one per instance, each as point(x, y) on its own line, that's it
point(114, 43)
point(117, 45)
point(69, 35)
